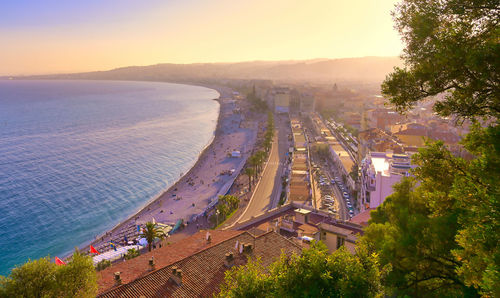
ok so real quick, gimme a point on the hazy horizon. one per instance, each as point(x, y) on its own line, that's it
point(53, 37)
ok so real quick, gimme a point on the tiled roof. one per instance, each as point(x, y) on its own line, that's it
point(203, 271)
point(362, 218)
point(139, 266)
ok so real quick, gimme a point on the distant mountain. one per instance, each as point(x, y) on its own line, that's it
point(369, 69)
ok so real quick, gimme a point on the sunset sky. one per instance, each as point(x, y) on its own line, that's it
point(68, 36)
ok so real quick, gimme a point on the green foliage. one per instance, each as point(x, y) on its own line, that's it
point(227, 204)
point(322, 150)
point(41, 278)
point(354, 173)
point(132, 253)
point(441, 237)
point(249, 172)
point(452, 46)
point(151, 232)
point(315, 273)
point(103, 265)
point(258, 105)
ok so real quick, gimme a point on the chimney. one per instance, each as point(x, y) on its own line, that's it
point(118, 279)
point(229, 260)
point(176, 276)
point(247, 248)
point(152, 264)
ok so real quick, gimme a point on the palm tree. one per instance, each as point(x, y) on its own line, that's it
point(254, 162)
point(249, 172)
point(151, 232)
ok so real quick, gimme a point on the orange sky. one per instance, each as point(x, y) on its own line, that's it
point(93, 37)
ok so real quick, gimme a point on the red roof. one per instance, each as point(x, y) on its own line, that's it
point(362, 218)
point(139, 266)
point(203, 271)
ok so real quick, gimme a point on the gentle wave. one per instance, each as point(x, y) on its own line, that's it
point(73, 163)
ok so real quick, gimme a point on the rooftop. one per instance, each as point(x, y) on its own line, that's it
point(204, 270)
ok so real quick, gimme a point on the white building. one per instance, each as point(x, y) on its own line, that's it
point(379, 172)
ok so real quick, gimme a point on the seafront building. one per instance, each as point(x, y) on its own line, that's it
point(379, 172)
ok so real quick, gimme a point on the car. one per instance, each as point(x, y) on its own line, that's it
point(333, 181)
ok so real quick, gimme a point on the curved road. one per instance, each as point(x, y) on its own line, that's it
point(261, 197)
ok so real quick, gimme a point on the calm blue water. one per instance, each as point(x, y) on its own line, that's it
point(77, 157)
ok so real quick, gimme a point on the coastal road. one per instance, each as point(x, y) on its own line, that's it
point(261, 198)
point(284, 129)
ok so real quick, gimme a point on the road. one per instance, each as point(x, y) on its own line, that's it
point(344, 215)
point(284, 129)
point(261, 198)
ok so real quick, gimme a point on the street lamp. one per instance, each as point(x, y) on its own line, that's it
point(217, 214)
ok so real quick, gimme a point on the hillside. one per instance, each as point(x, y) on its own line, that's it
point(367, 69)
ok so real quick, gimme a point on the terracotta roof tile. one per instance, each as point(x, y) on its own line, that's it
point(203, 271)
point(139, 266)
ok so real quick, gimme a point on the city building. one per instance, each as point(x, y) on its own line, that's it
point(383, 118)
point(379, 172)
point(303, 224)
point(282, 100)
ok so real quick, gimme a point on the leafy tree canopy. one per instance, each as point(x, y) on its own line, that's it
point(452, 46)
point(41, 278)
point(439, 230)
point(315, 273)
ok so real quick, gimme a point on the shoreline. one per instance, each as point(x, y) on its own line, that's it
point(155, 203)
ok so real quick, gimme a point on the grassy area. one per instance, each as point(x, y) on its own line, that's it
point(228, 217)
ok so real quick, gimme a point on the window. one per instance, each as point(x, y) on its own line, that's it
point(340, 242)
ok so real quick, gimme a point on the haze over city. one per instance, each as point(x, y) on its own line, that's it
point(250, 148)
point(47, 37)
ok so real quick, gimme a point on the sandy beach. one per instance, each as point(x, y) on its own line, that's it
point(211, 176)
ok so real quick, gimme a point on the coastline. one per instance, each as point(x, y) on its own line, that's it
point(155, 203)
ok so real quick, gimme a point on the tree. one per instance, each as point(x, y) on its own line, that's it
point(249, 172)
point(443, 232)
point(151, 232)
point(41, 278)
point(132, 253)
point(452, 47)
point(354, 173)
point(315, 273)
point(414, 244)
point(78, 278)
point(322, 150)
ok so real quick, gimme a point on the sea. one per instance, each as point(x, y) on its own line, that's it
point(78, 157)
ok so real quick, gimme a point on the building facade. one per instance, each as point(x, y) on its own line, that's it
point(379, 172)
